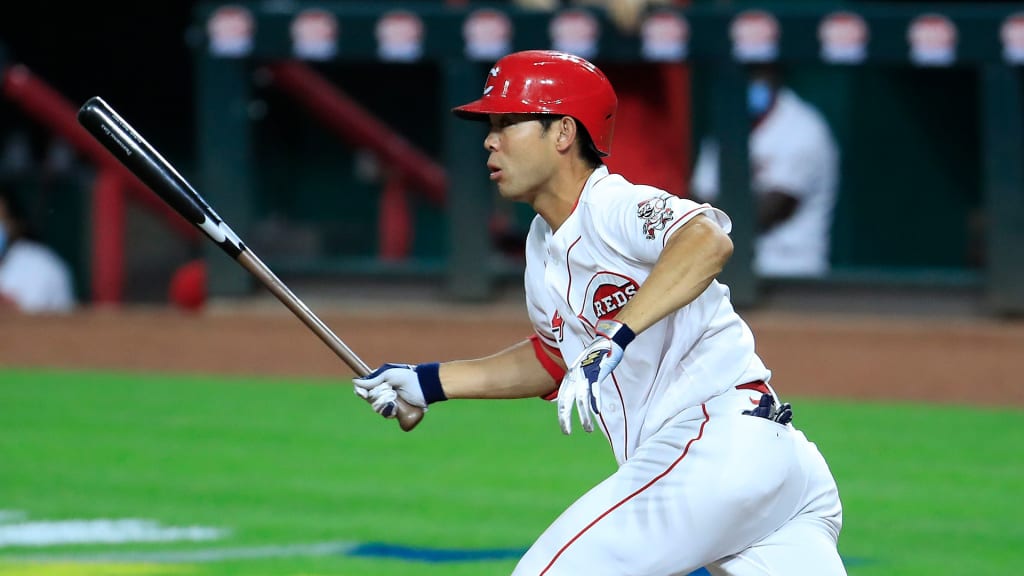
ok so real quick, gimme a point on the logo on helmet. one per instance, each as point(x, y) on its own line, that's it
point(843, 37)
point(932, 40)
point(231, 30)
point(575, 32)
point(314, 35)
point(488, 35)
point(492, 78)
point(656, 214)
point(607, 293)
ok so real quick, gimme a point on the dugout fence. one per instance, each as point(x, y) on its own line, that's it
point(926, 101)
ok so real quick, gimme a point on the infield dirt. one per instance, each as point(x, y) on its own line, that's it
point(959, 359)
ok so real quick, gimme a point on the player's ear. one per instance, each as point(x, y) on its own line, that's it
point(566, 133)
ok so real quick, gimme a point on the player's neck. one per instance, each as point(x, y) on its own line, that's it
point(558, 201)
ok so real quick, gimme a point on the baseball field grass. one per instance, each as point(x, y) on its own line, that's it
point(143, 474)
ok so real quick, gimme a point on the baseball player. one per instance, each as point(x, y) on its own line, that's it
point(633, 330)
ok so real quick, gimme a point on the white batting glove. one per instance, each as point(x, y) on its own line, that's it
point(582, 383)
point(382, 398)
point(418, 385)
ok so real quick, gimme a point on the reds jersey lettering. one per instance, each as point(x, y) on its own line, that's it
point(609, 298)
point(606, 294)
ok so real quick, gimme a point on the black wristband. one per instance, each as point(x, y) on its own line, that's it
point(430, 382)
point(623, 336)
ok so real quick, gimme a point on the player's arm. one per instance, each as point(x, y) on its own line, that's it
point(693, 256)
point(524, 370)
point(516, 372)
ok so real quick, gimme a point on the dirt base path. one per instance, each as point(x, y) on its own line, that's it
point(970, 361)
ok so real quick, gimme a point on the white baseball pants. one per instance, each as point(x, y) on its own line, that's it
point(740, 495)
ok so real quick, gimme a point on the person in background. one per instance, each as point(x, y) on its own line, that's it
point(794, 176)
point(33, 278)
point(654, 100)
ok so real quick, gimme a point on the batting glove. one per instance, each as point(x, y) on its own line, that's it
point(766, 408)
point(418, 385)
point(582, 383)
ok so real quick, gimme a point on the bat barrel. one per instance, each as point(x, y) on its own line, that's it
point(132, 150)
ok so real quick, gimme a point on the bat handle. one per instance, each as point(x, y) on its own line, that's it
point(408, 415)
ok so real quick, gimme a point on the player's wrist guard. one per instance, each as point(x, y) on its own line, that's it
point(430, 382)
point(616, 331)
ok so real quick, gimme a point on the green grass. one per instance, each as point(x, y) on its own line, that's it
point(926, 489)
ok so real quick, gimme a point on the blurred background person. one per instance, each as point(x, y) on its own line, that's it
point(33, 278)
point(794, 175)
point(654, 100)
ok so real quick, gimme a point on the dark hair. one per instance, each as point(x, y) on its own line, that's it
point(588, 151)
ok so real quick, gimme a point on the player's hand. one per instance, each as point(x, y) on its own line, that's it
point(382, 398)
point(417, 385)
point(582, 383)
point(766, 408)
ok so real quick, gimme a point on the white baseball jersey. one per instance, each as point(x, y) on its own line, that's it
point(35, 278)
point(698, 482)
point(590, 268)
point(792, 150)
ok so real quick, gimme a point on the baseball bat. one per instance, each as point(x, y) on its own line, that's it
point(125, 143)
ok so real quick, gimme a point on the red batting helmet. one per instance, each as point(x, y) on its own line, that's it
point(549, 82)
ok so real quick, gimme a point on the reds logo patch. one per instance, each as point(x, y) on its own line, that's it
point(607, 293)
point(656, 214)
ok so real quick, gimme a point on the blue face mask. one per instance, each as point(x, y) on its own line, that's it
point(759, 97)
point(3, 238)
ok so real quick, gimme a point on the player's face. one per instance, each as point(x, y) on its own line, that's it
point(521, 157)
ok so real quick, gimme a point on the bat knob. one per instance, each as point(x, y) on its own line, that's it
point(408, 415)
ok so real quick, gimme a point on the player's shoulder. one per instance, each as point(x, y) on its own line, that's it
point(615, 188)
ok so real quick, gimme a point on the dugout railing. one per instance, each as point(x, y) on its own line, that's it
point(985, 41)
point(112, 186)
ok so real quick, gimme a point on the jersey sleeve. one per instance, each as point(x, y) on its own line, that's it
point(638, 225)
